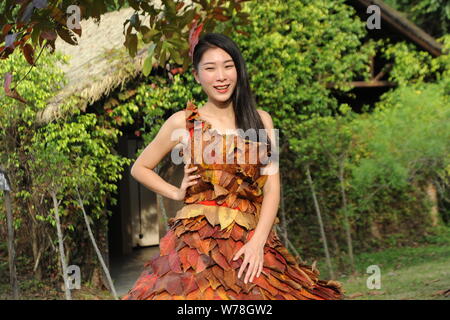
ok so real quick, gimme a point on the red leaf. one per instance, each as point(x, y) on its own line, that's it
point(192, 257)
point(11, 93)
point(167, 243)
point(160, 265)
point(173, 284)
point(194, 34)
point(189, 283)
point(174, 262)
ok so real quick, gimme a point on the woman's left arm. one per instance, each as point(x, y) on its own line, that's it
point(253, 250)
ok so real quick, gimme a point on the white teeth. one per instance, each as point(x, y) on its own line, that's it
point(222, 87)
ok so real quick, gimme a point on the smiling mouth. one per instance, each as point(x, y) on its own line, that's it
point(221, 87)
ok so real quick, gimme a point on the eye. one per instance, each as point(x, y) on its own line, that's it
point(230, 66)
point(209, 68)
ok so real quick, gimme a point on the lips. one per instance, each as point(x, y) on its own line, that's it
point(222, 88)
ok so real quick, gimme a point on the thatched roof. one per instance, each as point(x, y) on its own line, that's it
point(98, 64)
point(398, 21)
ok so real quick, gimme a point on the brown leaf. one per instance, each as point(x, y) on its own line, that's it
point(203, 262)
point(230, 280)
point(355, 295)
point(206, 231)
point(28, 52)
point(237, 233)
point(183, 255)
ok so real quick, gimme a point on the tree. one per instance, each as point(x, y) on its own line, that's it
point(173, 28)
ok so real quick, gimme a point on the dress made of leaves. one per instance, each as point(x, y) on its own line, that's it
point(220, 214)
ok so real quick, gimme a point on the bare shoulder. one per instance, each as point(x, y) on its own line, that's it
point(177, 120)
point(266, 118)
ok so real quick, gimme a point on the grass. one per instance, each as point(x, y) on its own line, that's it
point(420, 273)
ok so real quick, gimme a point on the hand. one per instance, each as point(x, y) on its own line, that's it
point(253, 252)
point(188, 180)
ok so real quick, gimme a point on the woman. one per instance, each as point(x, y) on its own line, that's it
point(222, 244)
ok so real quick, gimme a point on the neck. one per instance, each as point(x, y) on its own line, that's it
point(220, 109)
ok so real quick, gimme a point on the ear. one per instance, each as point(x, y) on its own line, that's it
point(195, 75)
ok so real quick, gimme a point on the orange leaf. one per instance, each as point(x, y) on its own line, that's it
point(226, 247)
point(278, 284)
point(202, 282)
point(271, 262)
point(202, 263)
point(205, 245)
point(262, 282)
point(220, 259)
point(208, 294)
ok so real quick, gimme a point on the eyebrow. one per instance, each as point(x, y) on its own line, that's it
point(229, 60)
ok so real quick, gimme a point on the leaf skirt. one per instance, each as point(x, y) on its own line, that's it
point(195, 263)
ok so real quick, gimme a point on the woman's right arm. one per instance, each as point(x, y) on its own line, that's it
point(142, 169)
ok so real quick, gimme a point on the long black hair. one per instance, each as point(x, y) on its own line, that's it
point(244, 105)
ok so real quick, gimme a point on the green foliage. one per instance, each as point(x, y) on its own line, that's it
point(431, 15)
point(76, 152)
point(408, 138)
point(294, 49)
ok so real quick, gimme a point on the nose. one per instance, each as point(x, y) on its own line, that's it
point(221, 75)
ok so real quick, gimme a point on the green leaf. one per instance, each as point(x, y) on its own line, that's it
point(149, 60)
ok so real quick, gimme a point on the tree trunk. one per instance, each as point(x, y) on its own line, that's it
point(434, 212)
point(346, 218)
point(61, 247)
point(11, 249)
point(319, 218)
point(94, 243)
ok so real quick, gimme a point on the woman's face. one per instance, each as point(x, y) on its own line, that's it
point(216, 69)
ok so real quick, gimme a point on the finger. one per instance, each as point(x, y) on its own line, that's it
point(249, 271)
point(189, 170)
point(260, 268)
point(236, 256)
point(255, 270)
point(195, 176)
point(243, 266)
